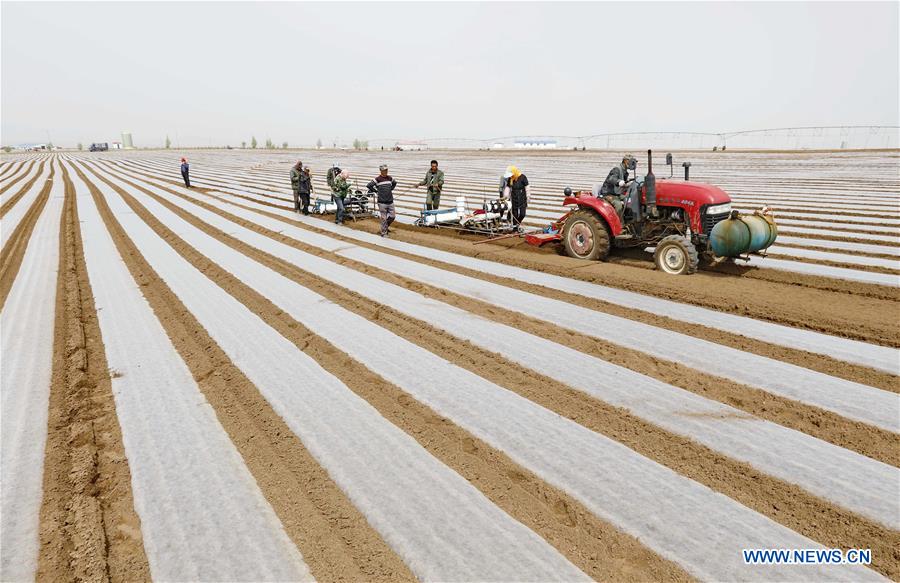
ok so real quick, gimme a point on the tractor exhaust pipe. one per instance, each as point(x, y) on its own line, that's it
point(650, 185)
point(687, 171)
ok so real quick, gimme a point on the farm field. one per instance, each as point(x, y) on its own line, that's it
point(199, 384)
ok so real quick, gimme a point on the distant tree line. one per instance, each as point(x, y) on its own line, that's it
point(270, 144)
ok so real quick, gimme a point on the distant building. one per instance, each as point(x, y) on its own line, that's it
point(115, 145)
point(411, 146)
point(126, 141)
point(538, 144)
point(31, 147)
point(497, 146)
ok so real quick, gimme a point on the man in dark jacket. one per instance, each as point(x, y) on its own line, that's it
point(185, 169)
point(615, 187)
point(301, 184)
point(384, 186)
point(434, 181)
point(514, 184)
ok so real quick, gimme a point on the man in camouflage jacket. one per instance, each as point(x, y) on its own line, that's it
point(301, 184)
point(339, 190)
point(434, 180)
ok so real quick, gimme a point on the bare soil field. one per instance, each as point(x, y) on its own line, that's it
point(201, 384)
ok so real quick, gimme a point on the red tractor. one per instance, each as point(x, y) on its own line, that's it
point(686, 213)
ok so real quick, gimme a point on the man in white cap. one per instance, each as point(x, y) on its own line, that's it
point(339, 190)
point(384, 185)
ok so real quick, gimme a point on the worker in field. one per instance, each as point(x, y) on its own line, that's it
point(434, 181)
point(514, 186)
point(332, 174)
point(619, 190)
point(185, 172)
point(340, 188)
point(615, 187)
point(384, 186)
point(301, 184)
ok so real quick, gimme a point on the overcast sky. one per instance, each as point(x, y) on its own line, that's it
point(215, 73)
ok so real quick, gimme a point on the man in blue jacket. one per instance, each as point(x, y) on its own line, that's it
point(185, 169)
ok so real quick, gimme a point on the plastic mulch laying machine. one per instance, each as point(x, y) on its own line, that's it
point(493, 218)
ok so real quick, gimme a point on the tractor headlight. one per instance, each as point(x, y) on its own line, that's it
point(719, 209)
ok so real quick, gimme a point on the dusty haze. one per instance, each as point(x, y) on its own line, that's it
point(216, 73)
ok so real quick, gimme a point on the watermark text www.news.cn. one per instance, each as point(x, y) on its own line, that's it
point(807, 556)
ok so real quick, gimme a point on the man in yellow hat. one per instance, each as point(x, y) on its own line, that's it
point(514, 185)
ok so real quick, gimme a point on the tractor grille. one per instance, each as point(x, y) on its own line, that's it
point(710, 221)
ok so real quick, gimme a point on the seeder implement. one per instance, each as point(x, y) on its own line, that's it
point(492, 219)
point(357, 205)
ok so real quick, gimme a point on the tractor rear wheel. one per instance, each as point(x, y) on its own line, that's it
point(676, 255)
point(585, 236)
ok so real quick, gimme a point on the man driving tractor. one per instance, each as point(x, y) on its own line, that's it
point(617, 188)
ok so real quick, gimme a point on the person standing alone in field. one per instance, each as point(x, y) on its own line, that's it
point(515, 185)
point(384, 185)
point(434, 180)
point(301, 184)
point(185, 171)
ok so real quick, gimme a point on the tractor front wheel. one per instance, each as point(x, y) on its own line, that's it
point(585, 236)
point(676, 255)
